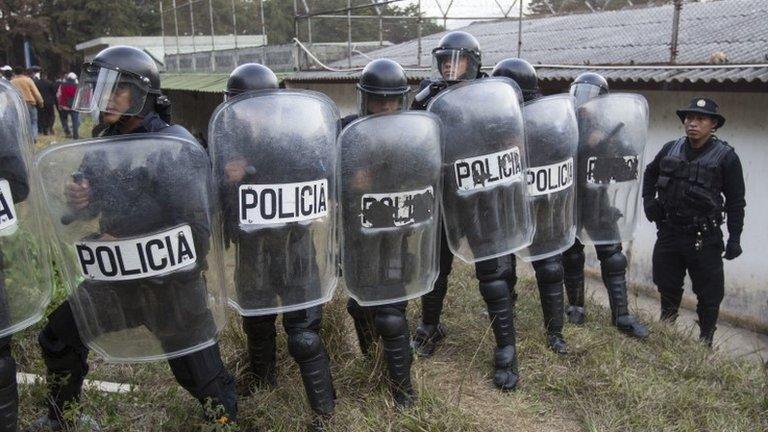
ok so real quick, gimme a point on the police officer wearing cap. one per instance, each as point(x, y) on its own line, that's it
point(688, 188)
point(383, 88)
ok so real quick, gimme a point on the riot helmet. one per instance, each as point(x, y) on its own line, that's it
point(120, 80)
point(522, 73)
point(587, 86)
point(457, 57)
point(383, 87)
point(250, 76)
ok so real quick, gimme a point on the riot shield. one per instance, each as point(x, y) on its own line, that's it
point(612, 135)
point(274, 159)
point(485, 208)
point(390, 190)
point(136, 232)
point(551, 139)
point(25, 278)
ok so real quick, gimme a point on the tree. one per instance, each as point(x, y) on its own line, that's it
point(547, 7)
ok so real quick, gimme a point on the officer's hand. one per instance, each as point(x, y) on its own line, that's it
point(234, 171)
point(653, 210)
point(78, 194)
point(732, 250)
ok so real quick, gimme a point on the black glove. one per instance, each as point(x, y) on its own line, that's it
point(653, 210)
point(732, 250)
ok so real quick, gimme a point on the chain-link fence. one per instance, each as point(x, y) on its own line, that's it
point(217, 35)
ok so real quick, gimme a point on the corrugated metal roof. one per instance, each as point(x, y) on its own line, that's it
point(202, 82)
point(738, 28)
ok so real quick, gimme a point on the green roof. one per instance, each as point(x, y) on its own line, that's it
point(202, 82)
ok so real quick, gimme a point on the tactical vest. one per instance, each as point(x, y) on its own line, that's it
point(692, 189)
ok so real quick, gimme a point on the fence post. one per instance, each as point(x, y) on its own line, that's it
point(675, 31)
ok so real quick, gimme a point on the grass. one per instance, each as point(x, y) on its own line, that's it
point(608, 382)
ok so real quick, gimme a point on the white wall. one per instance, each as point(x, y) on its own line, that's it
point(746, 129)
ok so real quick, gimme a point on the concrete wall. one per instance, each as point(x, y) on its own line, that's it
point(746, 129)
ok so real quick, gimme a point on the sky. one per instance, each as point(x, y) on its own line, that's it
point(468, 8)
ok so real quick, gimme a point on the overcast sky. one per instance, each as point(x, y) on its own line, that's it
point(468, 8)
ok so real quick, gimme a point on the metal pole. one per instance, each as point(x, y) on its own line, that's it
point(176, 24)
point(418, 34)
point(162, 30)
point(213, 37)
point(520, 31)
point(309, 22)
point(264, 34)
point(194, 47)
point(234, 31)
point(349, 33)
point(675, 30)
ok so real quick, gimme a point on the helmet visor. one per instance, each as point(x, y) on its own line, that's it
point(370, 103)
point(110, 91)
point(454, 65)
point(583, 92)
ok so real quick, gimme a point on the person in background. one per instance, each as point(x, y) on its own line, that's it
point(31, 95)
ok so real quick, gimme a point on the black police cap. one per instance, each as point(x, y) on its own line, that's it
point(704, 106)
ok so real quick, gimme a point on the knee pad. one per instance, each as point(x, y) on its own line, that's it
point(494, 269)
point(494, 290)
point(390, 323)
point(304, 345)
point(573, 259)
point(549, 271)
point(611, 258)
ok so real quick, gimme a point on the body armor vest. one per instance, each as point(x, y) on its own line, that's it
point(689, 190)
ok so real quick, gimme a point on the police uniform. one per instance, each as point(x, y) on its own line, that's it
point(201, 373)
point(686, 192)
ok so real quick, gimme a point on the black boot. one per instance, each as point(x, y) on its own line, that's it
point(707, 323)
point(393, 327)
point(363, 325)
point(430, 331)
point(261, 335)
point(549, 278)
point(573, 276)
point(9, 396)
point(613, 265)
point(496, 296)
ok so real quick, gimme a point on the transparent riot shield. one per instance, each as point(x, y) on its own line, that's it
point(25, 277)
point(485, 208)
point(390, 191)
point(551, 138)
point(274, 160)
point(137, 237)
point(612, 136)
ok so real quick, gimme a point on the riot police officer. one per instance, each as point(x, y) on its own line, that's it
point(25, 285)
point(457, 58)
point(549, 271)
point(124, 84)
point(263, 276)
point(688, 187)
point(383, 88)
point(613, 262)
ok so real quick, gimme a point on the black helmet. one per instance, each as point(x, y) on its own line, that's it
point(382, 79)
point(588, 85)
point(452, 47)
point(115, 70)
point(250, 76)
point(522, 73)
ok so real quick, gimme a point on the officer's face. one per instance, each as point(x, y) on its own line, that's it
point(456, 69)
point(699, 126)
point(120, 102)
point(384, 105)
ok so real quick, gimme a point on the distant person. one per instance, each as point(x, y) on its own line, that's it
point(46, 115)
point(6, 73)
point(31, 95)
point(65, 96)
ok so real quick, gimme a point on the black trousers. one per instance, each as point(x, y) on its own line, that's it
point(674, 255)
